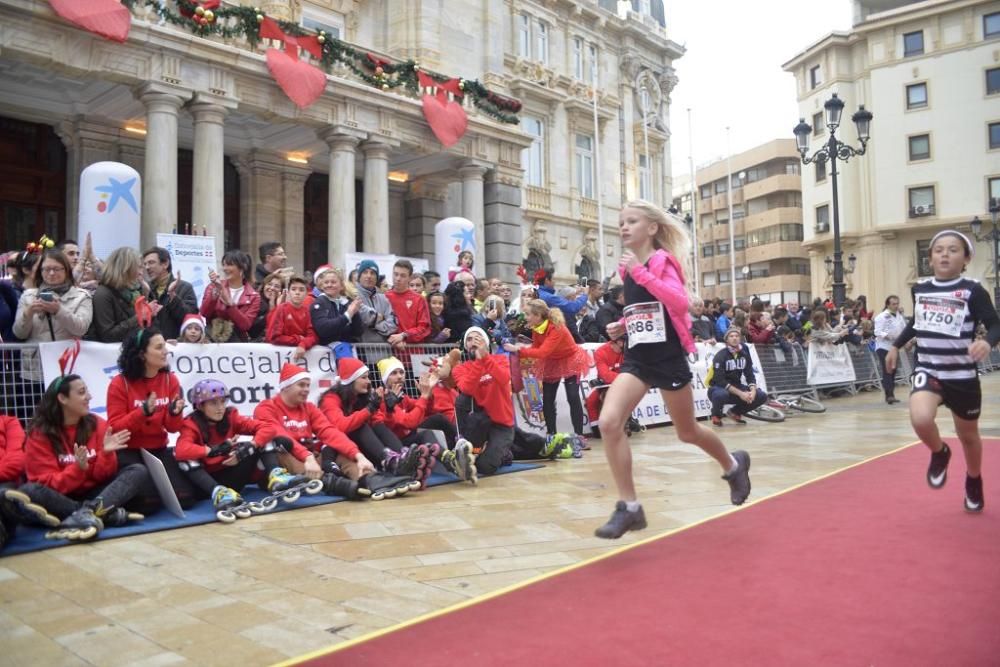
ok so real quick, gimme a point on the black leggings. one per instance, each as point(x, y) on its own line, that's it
point(888, 379)
point(441, 423)
point(235, 477)
point(549, 390)
point(125, 490)
point(373, 440)
point(183, 489)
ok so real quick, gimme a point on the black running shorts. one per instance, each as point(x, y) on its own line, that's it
point(963, 397)
point(670, 376)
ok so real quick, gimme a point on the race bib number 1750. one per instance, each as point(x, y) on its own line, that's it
point(940, 314)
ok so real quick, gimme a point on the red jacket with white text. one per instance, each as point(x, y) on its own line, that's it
point(305, 421)
point(125, 399)
point(191, 445)
point(61, 472)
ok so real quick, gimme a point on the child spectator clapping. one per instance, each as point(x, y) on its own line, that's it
point(289, 323)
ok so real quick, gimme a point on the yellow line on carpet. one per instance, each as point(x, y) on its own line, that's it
point(563, 570)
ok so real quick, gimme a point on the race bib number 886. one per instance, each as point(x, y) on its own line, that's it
point(645, 323)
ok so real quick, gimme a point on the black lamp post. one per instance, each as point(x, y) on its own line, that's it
point(832, 151)
point(992, 235)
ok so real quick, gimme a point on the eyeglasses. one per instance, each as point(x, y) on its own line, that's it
point(53, 269)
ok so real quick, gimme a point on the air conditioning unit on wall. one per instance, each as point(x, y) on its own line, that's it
point(822, 227)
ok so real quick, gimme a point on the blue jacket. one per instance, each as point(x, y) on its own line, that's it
point(8, 310)
point(721, 326)
point(330, 320)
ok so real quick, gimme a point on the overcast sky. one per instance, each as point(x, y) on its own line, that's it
point(731, 73)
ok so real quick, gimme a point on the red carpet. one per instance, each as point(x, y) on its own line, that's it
point(866, 567)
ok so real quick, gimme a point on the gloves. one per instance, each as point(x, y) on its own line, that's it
point(283, 442)
point(244, 450)
point(374, 401)
point(391, 401)
point(222, 449)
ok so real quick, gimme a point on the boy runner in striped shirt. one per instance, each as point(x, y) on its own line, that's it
point(946, 311)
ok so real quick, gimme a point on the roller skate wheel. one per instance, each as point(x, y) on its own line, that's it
point(362, 491)
point(403, 490)
point(390, 493)
point(313, 487)
point(269, 503)
point(291, 496)
point(378, 496)
point(415, 485)
point(243, 513)
point(225, 516)
point(256, 508)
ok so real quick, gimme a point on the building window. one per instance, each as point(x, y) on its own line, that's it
point(331, 23)
point(921, 201)
point(991, 25)
point(720, 187)
point(645, 179)
point(913, 43)
point(739, 243)
point(724, 277)
point(706, 190)
point(722, 247)
point(814, 78)
point(994, 135)
point(523, 36)
point(993, 81)
point(994, 187)
point(920, 147)
point(542, 43)
point(924, 269)
point(708, 250)
point(818, 126)
point(916, 96)
point(585, 165)
point(793, 168)
point(709, 279)
point(578, 58)
point(820, 171)
point(822, 219)
point(533, 157)
point(593, 64)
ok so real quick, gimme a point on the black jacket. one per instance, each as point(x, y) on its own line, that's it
point(171, 316)
point(114, 317)
point(732, 368)
point(608, 313)
point(459, 322)
point(329, 319)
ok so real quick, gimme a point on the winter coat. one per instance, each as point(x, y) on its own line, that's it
point(70, 322)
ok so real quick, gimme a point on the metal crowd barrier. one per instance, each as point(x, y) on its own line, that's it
point(785, 369)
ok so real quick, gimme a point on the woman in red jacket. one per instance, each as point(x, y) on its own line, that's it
point(231, 304)
point(354, 407)
point(760, 330)
point(557, 359)
point(145, 398)
point(74, 481)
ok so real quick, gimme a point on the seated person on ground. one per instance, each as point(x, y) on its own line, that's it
point(731, 380)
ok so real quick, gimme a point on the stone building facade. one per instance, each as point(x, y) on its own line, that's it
point(223, 151)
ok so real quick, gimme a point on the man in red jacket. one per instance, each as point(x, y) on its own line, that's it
point(410, 308)
point(310, 433)
point(290, 323)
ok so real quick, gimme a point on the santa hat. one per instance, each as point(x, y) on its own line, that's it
point(320, 270)
point(388, 365)
point(350, 369)
point(290, 374)
point(472, 330)
point(193, 318)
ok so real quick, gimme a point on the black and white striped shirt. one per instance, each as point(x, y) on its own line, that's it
point(945, 316)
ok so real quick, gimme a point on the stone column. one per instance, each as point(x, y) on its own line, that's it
point(293, 183)
point(260, 210)
point(423, 209)
point(472, 174)
point(376, 189)
point(207, 201)
point(503, 222)
point(159, 176)
point(341, 208)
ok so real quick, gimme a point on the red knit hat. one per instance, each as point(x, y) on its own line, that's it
point(350, 369)
point(290, 374)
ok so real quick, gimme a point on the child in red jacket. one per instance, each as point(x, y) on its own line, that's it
point(608, 358)
point(74, 481)
point(410, 418)
point(11, 470)
point(289, 323)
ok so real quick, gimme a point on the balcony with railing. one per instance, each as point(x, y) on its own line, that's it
point(538, 199)
point(588, 208)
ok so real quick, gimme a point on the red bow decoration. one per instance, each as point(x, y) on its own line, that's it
point(540, 275)
point(446, 118)
point(376, 61)
point(302, 82)
point(203, 17)
point(522, 273)
point(143, 313)
point(108, 18)
point(67, 360)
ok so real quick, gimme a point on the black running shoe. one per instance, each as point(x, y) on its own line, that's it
point(974, 494)
point(937, 471)
point(621, 522)
point(739, 479)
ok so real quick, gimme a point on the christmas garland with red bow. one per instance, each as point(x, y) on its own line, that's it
point(208, 17)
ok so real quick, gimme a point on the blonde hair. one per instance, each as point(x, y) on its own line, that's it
point(672, 236)
point(491, 302)
point(120, 267)
point(541, 309)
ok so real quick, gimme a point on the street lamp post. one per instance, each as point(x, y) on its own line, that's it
point(992, 235)
point(832, 151)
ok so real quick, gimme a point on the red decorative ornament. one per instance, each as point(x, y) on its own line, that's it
point(447, 119)
point(202, 13)
point(301, 81)
point(108, 18)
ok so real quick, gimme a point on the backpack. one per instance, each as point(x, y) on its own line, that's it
point(590, 331)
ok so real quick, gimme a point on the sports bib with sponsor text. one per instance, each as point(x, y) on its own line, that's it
point(940, 314)
point(645, 323)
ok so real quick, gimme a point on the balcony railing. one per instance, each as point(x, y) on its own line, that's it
point(539, 199)
point(588, 208)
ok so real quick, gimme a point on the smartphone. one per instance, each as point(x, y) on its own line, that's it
point(47, 296)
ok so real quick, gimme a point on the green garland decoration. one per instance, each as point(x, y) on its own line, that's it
point(245, 22)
